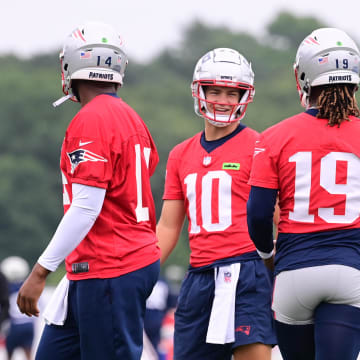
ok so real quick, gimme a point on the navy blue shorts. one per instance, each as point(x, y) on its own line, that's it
point(20, 336)
point(253, 315)
point(104, 321)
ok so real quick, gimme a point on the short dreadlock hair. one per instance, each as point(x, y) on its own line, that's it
point(336, 103)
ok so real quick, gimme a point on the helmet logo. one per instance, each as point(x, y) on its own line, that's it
point(104, 40)
point(339, 43)
point(206, 57)
point(78, 35)
point(311, 41)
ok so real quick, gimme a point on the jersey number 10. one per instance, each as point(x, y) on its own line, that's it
point(224, 201)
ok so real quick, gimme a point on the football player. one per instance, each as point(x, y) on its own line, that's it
point(4, 305)
point(107, 235)
point(21, 329)
point(224, 302)
point(312, 159)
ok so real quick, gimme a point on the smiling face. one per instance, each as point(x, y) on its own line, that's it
point(221, 100)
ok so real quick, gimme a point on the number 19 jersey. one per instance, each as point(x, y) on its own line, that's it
point(317, 170)
point(214, 187)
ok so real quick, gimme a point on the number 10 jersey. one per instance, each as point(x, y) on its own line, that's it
point(214, 187)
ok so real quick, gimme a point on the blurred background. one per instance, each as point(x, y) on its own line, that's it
point(163, 41)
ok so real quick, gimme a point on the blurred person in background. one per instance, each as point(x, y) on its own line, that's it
point(20, 333)
point(224, 305)
point(4, 307)
point(157, 305)
point(174, 275)
point(312, 162)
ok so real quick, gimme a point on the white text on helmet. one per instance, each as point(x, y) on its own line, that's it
point(96, 75)
point(340, 78)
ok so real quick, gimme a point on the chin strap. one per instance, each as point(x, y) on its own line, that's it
point(218, 123)
point(62, 100)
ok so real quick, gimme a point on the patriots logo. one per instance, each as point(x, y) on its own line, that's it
point(311, 41)
point(244, 329)
point(80, 155)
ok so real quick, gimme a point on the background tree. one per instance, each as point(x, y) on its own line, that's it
point(293, 29)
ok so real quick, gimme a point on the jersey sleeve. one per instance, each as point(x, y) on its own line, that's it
point(264, 171)
point(173, 187)
point(89, 160)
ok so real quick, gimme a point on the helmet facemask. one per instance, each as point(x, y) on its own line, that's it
point(64, 84)
point(208, 108)
point(304, 92)
point(224, 68)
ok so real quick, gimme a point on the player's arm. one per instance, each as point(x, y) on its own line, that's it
point(169, 226)
point(85, 207)
point(276, 218)
point(260, 217)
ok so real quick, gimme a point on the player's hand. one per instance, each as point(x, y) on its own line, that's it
point(31, 290)
point(269, 263)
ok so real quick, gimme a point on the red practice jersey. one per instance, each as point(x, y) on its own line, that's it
point(107, 145)
point(214, 187)
point(317, 169)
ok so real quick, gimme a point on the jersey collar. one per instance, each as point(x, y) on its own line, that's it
point(212, 145)
point(312, 111)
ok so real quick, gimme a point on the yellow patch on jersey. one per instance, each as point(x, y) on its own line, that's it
point(231, 166)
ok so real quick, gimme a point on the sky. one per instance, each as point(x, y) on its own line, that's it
point(31, 27)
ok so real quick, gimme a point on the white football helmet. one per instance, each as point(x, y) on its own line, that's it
point(93, 51)
point(15, 268)
point(327, 56)
point(222, 67)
